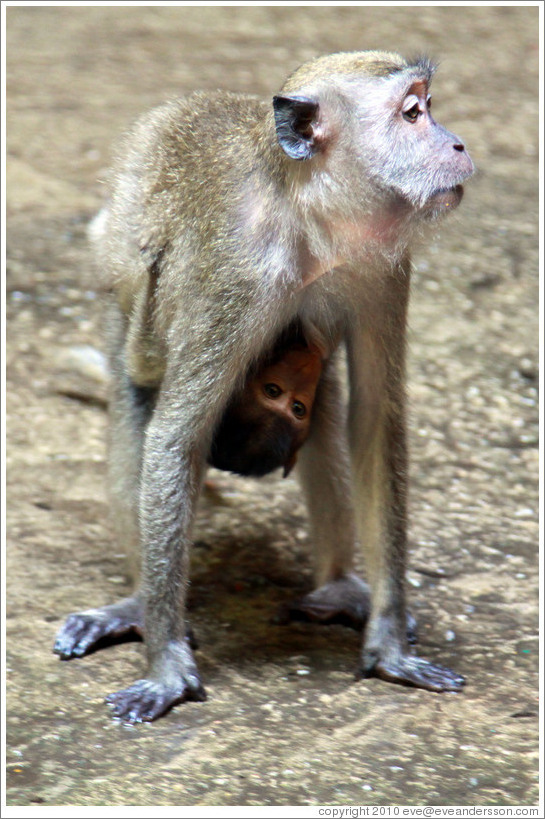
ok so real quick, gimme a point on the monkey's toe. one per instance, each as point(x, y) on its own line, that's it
point(146, 700)
point(410, 670)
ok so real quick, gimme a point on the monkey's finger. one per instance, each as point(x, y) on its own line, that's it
point(79, 633)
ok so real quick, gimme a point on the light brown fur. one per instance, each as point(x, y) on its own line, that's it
point(230, 218)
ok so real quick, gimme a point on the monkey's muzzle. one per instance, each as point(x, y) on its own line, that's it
point(443, 201)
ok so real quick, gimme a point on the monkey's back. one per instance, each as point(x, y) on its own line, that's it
point(173, 173)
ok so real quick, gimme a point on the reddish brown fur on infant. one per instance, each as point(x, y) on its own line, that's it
point(266, 423)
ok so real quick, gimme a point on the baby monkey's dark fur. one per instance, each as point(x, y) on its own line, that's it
point(230, 218)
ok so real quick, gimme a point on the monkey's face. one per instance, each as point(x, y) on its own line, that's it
point(435, 161)
point(269, 421)
point(403, 162)
point(288, 388)
point(406, 150)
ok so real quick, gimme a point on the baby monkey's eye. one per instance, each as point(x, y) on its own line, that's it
point(272, 390)
point(299, 409)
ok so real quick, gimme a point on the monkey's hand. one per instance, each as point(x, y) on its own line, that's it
point(392, 662)
point(174, 680)
point(83, 630)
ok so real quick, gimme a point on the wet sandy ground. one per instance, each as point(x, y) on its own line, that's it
point(284, 723)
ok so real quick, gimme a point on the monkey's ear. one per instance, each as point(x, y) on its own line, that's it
point(296, 126)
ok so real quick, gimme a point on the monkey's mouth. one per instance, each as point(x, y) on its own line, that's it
point(444, 200)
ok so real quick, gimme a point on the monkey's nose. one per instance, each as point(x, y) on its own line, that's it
point(458, 146)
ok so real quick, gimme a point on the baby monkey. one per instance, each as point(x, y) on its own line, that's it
point(267, 423)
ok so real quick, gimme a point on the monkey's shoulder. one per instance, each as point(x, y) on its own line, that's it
point(190, 155)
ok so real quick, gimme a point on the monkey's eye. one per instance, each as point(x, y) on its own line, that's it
point(299, 409)
point(411, 108)
point(411, 114)
point(429, 102)
point(272, 390)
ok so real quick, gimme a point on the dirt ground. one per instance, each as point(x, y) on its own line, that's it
point(284, 724)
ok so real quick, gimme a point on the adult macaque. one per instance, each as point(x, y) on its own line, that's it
point(266, 423)
point(229, 219)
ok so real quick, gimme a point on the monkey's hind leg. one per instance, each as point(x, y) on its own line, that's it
point(340, 596)
point(130, 408)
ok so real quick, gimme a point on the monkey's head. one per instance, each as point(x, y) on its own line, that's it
point(268, 422)
point(364, 119)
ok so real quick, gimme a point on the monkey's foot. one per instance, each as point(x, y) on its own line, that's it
point(145, 700)
point(83, 630)
point(346, 601)
point(410, 670)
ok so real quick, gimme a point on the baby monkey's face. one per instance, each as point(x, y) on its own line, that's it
point(288, 387)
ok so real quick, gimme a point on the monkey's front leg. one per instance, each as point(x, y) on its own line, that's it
point(171, 477)
point(379, 460)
